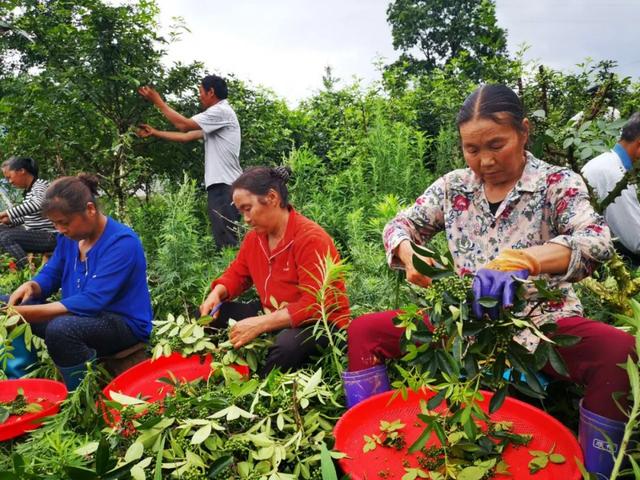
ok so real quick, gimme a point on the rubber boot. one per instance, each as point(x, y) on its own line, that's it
point(599, 450)
point(74, 374)
point(18, 366)
point(362, 384)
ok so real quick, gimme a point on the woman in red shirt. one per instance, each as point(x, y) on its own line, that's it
point(282, 256)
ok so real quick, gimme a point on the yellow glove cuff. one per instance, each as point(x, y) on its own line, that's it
point(509, 260)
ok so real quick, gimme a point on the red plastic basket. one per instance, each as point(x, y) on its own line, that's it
point(48, 393)
point(143, 380)
point(364, 419)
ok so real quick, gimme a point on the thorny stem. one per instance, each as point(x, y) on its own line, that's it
point(295, 406)
point(396, 302)
point(534, 307)
point(329, 334)
point(619, 187)
point(628, 431)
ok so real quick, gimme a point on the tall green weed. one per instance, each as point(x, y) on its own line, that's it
point(385, 174)
point(446, 151)
point(182, 266)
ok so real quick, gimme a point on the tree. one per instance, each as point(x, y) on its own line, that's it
point(431, 33)
point(265, 121)
point(69, 89)
point(68, 95)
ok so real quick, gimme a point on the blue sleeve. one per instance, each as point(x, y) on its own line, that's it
point(107, 278)
point(50, 276)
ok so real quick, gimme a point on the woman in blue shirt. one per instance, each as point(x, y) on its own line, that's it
point(100, 267)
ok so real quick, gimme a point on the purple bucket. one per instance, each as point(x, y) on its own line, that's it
point(362, 384)
point(600, 439)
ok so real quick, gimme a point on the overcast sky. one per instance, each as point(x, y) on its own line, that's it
point(285, 44)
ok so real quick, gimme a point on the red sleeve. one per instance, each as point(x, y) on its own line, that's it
point(310, 252)
point(237, 278)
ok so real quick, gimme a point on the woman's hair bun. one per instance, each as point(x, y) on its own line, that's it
point(282, 172)
point(91, 181)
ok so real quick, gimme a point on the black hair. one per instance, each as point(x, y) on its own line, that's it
point(28, 163)
point(71, 194)
point(218, 84)
point(492, 102)
point(631, 129)
point(259, 180)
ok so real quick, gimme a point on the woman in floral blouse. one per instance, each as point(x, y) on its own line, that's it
point(506, 208)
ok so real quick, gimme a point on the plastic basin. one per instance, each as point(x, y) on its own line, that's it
point(48, 393)
point(143, 380)
point(364, 419)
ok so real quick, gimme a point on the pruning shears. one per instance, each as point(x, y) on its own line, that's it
point(215, 309)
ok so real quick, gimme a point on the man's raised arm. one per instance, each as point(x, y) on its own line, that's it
point(181, 122)
point(145, 131)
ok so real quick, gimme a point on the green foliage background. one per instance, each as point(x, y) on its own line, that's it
point(69, 72)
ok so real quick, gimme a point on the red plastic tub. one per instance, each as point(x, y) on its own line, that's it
point(48, 393)
point(143, 380)
point(364, 419)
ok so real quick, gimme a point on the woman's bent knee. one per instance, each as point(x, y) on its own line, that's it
point(371, 325)
point(59, 327)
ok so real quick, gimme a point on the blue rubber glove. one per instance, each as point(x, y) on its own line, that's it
point(496, 284)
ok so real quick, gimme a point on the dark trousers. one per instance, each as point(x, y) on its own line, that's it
point(293, 347)
point(18, 241)
point(592, 362)
point(72, 339)
point(222, 214)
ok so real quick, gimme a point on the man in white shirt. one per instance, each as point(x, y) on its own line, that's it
point(604, 172)
point(219, 127)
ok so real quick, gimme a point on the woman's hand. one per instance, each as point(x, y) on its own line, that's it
point(405, 253)
point(499, 278)
point(246, 330)
point(24, 292)
point(4, 218)
point(214, 298)
point(499, 285)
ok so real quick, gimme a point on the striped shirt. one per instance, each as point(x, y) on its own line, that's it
point(29, 212)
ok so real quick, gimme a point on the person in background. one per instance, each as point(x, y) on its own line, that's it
point(99, 266)
point(219, 127)
point(5, 170)
point(282, 256)
point(23, 228)
point(509, 216)
point(5, 186)
point(604, 172)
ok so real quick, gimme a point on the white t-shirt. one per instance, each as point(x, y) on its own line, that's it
point(623, 215)
point(611, 114)
point(221, 143)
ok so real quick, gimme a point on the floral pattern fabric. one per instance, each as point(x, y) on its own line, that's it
point(548, 204)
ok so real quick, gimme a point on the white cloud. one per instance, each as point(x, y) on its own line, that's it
point(285, 44)
point(564, 33)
